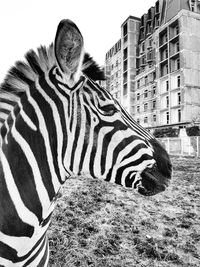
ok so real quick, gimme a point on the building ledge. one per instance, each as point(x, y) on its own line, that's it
point(164, 109)
point(176, 106)
point(175, 89)
point(178, 124)
point(164, 93)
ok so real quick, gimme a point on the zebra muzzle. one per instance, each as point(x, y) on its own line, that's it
point(152, 182)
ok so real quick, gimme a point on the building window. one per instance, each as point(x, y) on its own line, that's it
point(153, 92)
point(138, 108)
point(138, 121)
point(179, 115)
point(125, 38)
point(166, 53)
point(125, 89)
point(150, 42)
point(154, 104)
point(148, 29)
point(125, 77)
point(145, 119)
point(146, 80)
point(138, 96)
point(125, 65)
point(143, 61)
point(167, 117)
point(167, 101)
point(156, 22)
point(125, 53)
point(167, 86)
point(177, 47)
point(146, 93)
point(165, 39)
point(138, 83)
point(177, 29)
point(179, 98)
point(125, 30)
point(143, 47)
point(150, 56)
point(178, 64)
point(154, 118)
point(178, 81)
point(145, 106)
point(166, 68)
point(192, 5)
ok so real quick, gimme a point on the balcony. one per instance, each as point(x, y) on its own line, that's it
point(174, 39)
point(163, 61)
point(142, 61)
point(163, 37)
point(156, 23)
point(125, 39)
point(164, 68)
point(174, 50)
point(157, 11)
point(142, 36)
point(148, 29)
point(150, 56)
point(163, 46)
point(174, 30)
point(149, 46)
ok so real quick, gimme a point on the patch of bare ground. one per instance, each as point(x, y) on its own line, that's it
point(101, 224)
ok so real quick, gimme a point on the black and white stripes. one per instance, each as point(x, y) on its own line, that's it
point(54, 125)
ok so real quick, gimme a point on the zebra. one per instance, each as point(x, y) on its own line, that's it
point(56, 121)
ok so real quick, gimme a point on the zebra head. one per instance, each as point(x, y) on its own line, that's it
point(56, 121)
point(103, 141)
point(76, 125)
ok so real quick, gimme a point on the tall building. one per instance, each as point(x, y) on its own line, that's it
point(113, 69)
point(162, 67)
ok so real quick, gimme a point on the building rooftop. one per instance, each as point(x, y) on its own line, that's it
point(131, 17)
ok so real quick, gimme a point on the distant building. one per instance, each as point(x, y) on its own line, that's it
point(113, 70)
point(160, 69)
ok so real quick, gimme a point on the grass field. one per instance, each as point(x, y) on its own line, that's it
point(101, 224)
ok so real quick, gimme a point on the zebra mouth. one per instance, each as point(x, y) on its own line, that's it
point(152, 182)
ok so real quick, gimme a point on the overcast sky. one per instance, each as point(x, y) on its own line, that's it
point(26, 24)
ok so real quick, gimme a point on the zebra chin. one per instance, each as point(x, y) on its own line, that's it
point(153, 182)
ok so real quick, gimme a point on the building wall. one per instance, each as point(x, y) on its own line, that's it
point(160, 67)
point(177, 67)
point(129, 37)
point(114, 70)
point(190, 41)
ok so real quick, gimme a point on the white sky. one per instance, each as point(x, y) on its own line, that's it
point(27, 24)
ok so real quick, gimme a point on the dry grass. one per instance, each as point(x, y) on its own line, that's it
point(100, 224)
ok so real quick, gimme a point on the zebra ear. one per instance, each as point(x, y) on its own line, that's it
point(69, 48)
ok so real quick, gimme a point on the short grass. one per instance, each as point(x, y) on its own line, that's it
point(99, 224)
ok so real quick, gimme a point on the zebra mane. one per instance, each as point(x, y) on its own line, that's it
point(23, 73)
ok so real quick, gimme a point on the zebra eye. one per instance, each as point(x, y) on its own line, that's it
point(109, 109)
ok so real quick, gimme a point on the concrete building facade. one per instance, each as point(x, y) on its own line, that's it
point(113, 70)
point(163, 69)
